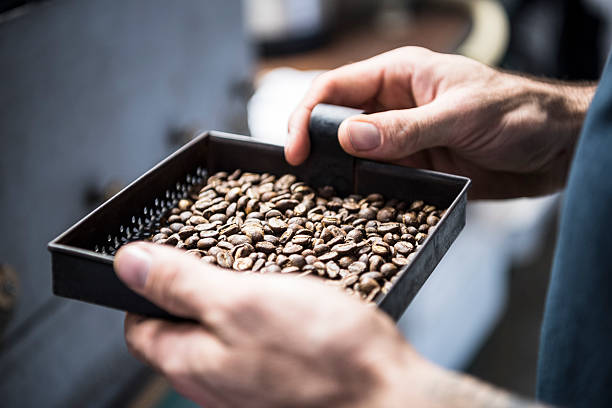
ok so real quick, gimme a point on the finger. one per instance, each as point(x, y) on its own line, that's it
point(380, 81)
point(181, 284)
point(350, 85)
point(393, 135)
point(175, 349)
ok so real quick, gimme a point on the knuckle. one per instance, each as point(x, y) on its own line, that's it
point(413, 50)
point(324, 85)
point(246, 306)
point(215, 317)
point(172, 365)
point(406, 136)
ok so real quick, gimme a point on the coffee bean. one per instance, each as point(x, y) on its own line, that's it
point(184, 204)
point(367, 285)
point(213, 251)
point(389, 238)
point(303, 240)
point(335, 241)
point(428, 209)
point(388, 270)
point(185, 216)
point(207, 226)
point(380, 249)
point(357, 267)
point(265, 246)
point(326, 221)
point(229, 229)
point(356, 235)
point(371, 275)
point(209, 259)
point(192, 241)
point(242, 264)
point(225, 245)
point(385, 214)
point(255, 215)
point(286, 236)
point(344, 249)
point(173, 239)
point(297, 260)
point(290, 269)
point(291, 248)
point(332, 269)
point(287, 204)
point(392, 227)
point(400, 262)
point(209, 234)
point(194, 252)
point(310, 259)
point(233, 194)
point(258, 265)
point(277, 225)
point(175, 218)
point(420, 238)
point(186, 232)
point(159, 236)
point(403, 247)
point(412, 231)
point(238, 239)
point(416, 205)
point(328, 256)
point(372, 294)
point(271, 239)
point(166, 230)
point(176, 226)
point(350, 279)
point(376, 262)
point(245, 250)
point(254, 232)
point(271, 269)
point(206, 243)
point(345, 261)
point(225, 259)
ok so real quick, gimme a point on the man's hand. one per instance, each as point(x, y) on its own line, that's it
point(278, 341)
point(261, 340)
point(514, 136)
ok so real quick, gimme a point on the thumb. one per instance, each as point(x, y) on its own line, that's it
point(179, 283)
point(394, 134)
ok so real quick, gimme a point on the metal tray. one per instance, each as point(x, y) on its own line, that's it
point(82, 256)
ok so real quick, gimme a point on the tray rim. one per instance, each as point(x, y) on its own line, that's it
point(56, 245)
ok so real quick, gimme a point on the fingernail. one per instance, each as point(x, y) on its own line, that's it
point(363, 135)
point(132, 266)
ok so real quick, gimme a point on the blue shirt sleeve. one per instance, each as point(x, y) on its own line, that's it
point(575, 361)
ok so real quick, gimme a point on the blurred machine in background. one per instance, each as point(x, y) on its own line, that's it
point(94, 92)
point(564, 39)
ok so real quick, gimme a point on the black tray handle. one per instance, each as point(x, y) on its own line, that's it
point(323, 127)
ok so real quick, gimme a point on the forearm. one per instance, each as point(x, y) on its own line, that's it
point(454, 390)
point(565, 105)
point(414, 381)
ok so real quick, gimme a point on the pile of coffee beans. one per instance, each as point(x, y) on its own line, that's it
point(261, 223)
